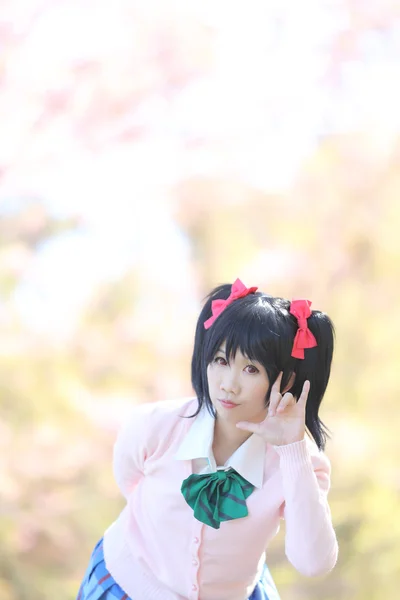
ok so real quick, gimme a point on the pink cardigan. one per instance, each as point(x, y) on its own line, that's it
point(157, 550)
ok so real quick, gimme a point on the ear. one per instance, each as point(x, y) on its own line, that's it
point(289, 384)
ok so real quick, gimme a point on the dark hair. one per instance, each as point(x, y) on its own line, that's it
point(262, 328)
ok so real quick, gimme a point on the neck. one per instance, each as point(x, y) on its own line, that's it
point(227, 437)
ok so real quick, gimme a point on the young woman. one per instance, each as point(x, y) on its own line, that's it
point(208, 479)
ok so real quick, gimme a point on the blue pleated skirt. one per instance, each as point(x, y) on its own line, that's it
point(98, 584)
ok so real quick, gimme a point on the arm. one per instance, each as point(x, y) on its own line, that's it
point(130, 450)
point(310, 542)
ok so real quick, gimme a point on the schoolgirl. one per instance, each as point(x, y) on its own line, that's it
point(208, 479)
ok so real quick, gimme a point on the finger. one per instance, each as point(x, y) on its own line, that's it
point(287, 400)
point(276, 388)
point(247, 426)
point(274, 402)
point(302, 401)
point(275, 396)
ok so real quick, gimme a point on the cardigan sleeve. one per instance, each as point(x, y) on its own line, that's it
point(310, 541)
point(130, 449)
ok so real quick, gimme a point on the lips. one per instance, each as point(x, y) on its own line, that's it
point(227, 404)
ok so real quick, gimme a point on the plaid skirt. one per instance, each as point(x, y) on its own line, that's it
point(98, 584)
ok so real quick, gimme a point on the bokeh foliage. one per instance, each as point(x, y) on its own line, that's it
point(332, 235)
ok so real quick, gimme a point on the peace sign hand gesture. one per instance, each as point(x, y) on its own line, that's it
point(286, 419)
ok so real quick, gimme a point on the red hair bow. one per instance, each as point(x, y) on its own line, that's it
point(304, 338)
point(238, 290)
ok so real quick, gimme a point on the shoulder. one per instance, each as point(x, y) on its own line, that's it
point(151, 428)
point(318, 457)
point(321, 464)
point(303, 455)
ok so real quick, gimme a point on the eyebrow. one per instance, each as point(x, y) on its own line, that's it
point(251, 360)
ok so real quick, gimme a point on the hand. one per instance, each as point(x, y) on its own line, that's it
point(285, 422)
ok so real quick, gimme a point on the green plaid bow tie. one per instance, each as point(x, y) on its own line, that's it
point(217, 497)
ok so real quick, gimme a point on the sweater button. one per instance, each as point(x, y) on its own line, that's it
point(196, 540)
point(194, 587)
point(194, 562)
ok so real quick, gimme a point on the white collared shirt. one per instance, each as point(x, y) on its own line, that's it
point(247, 460)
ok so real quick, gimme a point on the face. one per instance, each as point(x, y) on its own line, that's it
point(238, 389)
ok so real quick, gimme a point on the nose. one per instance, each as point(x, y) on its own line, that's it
point(230, 382)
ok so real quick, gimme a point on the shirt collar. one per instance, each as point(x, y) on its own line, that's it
point(248, 460)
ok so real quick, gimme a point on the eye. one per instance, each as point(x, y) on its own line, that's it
point(220, 360)
point(252, 369)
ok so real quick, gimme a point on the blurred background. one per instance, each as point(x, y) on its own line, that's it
point(150, 150)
